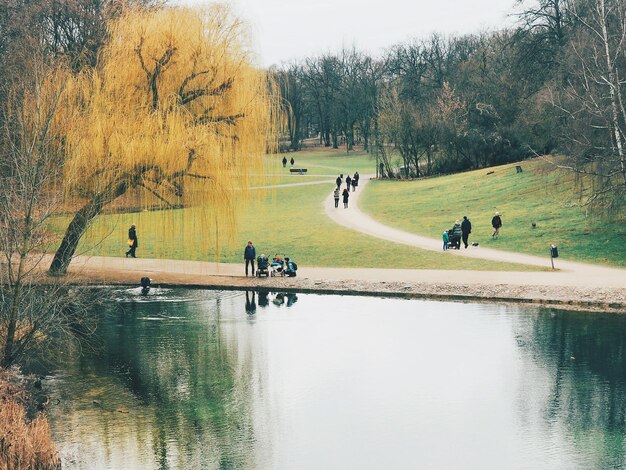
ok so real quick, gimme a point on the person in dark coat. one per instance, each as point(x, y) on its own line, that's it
point(496, 223)
point(355, 180)
point(249, 255)
point(132, 237)
point(348, 182)
point(284, 162)
point(339, 180)
point(292, 161)
point(345, 195)
point(466, 228)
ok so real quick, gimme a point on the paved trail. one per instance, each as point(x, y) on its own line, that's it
point(569, 274)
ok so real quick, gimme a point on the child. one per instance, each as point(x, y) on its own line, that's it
point(445, 240)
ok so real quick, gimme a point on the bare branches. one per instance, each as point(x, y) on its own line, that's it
point(160, 65)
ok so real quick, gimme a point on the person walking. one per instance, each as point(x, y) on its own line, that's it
point(133, 242)
point(336, 196)
point(348, 182)
point(446, 239)
point(496, 223)
point(339, 180)
point(345, 195)
point(284, 162)
point(292, 161)
point(355, 180)
point(466, 228)
point(249, 255)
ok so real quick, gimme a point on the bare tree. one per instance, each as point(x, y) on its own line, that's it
point(34, 311)
point(593, 102)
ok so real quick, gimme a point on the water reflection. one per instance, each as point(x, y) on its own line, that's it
point(186, 381)
point(583, 359)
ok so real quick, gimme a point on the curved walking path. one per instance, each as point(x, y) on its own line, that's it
point(589, 286)
point(568, 273)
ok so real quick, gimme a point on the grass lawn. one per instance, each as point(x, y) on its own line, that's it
point(289, 220)
point(540, 194)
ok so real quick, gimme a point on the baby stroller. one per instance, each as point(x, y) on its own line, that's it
point(277, 268)
point(291, 268)
point(262, 266)
point(454, 240)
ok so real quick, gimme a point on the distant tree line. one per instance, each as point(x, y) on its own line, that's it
point(553, 83)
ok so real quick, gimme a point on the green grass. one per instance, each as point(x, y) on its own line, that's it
point(290, 221)
point(540, 194)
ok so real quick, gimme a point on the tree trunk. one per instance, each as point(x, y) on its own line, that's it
point(83, 217)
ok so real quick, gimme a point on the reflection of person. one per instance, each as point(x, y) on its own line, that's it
point(496, 223)
point(291, 299)
point(250, 303)
point(263, 300)
point(284, 162)
point(279, 299)
point(336, 196)
point(249, 255)
point(466, 228)
point(345, 195)
point(132, 241)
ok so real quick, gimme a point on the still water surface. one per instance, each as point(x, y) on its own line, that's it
point(190, 379)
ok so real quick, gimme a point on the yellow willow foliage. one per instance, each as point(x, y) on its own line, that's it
point(177, 109)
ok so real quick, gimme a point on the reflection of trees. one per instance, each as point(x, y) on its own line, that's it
point(585, 355)
point(187, 374)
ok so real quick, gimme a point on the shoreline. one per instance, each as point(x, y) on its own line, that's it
point(607, 299)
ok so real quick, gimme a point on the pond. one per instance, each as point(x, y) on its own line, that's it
point(197, 379)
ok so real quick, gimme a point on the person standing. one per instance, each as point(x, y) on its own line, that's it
point(336, 196)
point(466, 228)
point(133, 242)
point(249, 255)
point(446, 239)
point(292, 161)
point(345, 195)
point(348, 182)
point(496, 223)
point(284, 162)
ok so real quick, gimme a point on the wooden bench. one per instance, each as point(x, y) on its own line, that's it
point(297, 170)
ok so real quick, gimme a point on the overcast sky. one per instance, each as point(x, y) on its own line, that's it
point(284, 30)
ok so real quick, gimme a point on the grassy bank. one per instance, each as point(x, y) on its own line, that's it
point(540, 194)
point(288, 220)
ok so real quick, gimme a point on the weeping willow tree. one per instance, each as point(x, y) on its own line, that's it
point(174, 115)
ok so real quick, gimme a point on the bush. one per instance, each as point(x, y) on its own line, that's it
point(24, 443)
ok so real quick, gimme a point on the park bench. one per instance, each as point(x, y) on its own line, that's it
point(298, 170)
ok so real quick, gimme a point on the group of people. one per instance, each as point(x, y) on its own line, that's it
point(292, 161)
point(345, 194)
point(460, 232)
